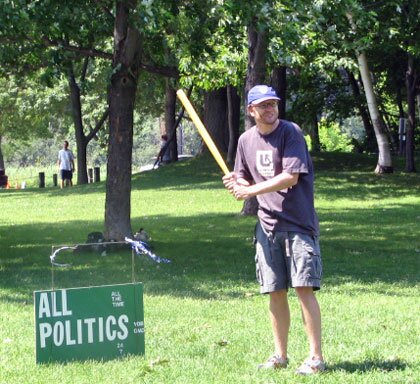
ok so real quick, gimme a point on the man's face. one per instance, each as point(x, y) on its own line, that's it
point(266, 112)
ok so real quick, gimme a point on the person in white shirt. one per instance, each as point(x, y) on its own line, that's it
point(66, 165)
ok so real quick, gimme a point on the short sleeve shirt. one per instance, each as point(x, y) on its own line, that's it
point(65, 158)
point(261, 157)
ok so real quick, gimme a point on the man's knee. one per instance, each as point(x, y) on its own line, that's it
point(305, 292)
point(279, 295)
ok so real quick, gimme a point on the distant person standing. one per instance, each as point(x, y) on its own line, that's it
point(164, 155)
point(66, 165)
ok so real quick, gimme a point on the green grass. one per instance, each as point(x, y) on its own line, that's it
point(204, 319)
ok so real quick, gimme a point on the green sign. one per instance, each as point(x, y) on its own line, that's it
point(102, 323)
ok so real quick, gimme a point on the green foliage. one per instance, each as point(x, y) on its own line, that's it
point(205, 321)
point(219, 58)
point(30, 110)
point(206, 41)
point(332, 139)
point(37, 34)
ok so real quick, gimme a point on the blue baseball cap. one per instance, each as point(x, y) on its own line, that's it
point(260, 93)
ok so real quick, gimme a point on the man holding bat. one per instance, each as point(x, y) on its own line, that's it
point(273, 164)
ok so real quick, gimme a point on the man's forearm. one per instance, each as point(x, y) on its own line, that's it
point(277, 183)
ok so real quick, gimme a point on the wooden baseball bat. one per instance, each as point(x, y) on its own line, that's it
point(202, 130)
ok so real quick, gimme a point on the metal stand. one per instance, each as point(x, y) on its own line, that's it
point(58, 248)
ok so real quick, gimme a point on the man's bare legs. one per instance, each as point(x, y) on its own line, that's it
point(311, 315)
point(66, 183)
point(280, 321)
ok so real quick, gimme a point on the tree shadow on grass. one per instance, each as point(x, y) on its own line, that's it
point(212, 254)
point(207, 252)
point(369, 366)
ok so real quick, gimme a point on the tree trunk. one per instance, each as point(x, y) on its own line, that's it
point(418, 103)
point(170, 127)
point(279, 83)
point(316, 144)
point(401, 115)
point(121, 94)
point(370, 142)
point(411, 102)
point(257, 49)
point(234, 120)
point(387, 124)
point(384, 159)
point(215, 117)
point(81, 143)
point(1, 155)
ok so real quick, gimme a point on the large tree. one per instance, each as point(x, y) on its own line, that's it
point(122, 94)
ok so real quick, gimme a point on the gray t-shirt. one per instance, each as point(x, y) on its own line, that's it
point(261, 157)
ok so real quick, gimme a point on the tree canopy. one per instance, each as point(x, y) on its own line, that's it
point(338, 59)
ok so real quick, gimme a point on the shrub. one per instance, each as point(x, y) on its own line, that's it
point(332, 139)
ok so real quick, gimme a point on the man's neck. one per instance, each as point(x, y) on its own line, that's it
point(266, 129)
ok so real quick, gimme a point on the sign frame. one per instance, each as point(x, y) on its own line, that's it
point(99, 323)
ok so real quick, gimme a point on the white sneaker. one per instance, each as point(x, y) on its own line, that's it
point(311, 366)
point(274, 362)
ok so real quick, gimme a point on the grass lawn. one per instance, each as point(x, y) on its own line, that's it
point(205, 321)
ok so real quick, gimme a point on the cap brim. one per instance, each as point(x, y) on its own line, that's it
point(259, 101)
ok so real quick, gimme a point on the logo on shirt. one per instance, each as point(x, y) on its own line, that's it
point(265, 165)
